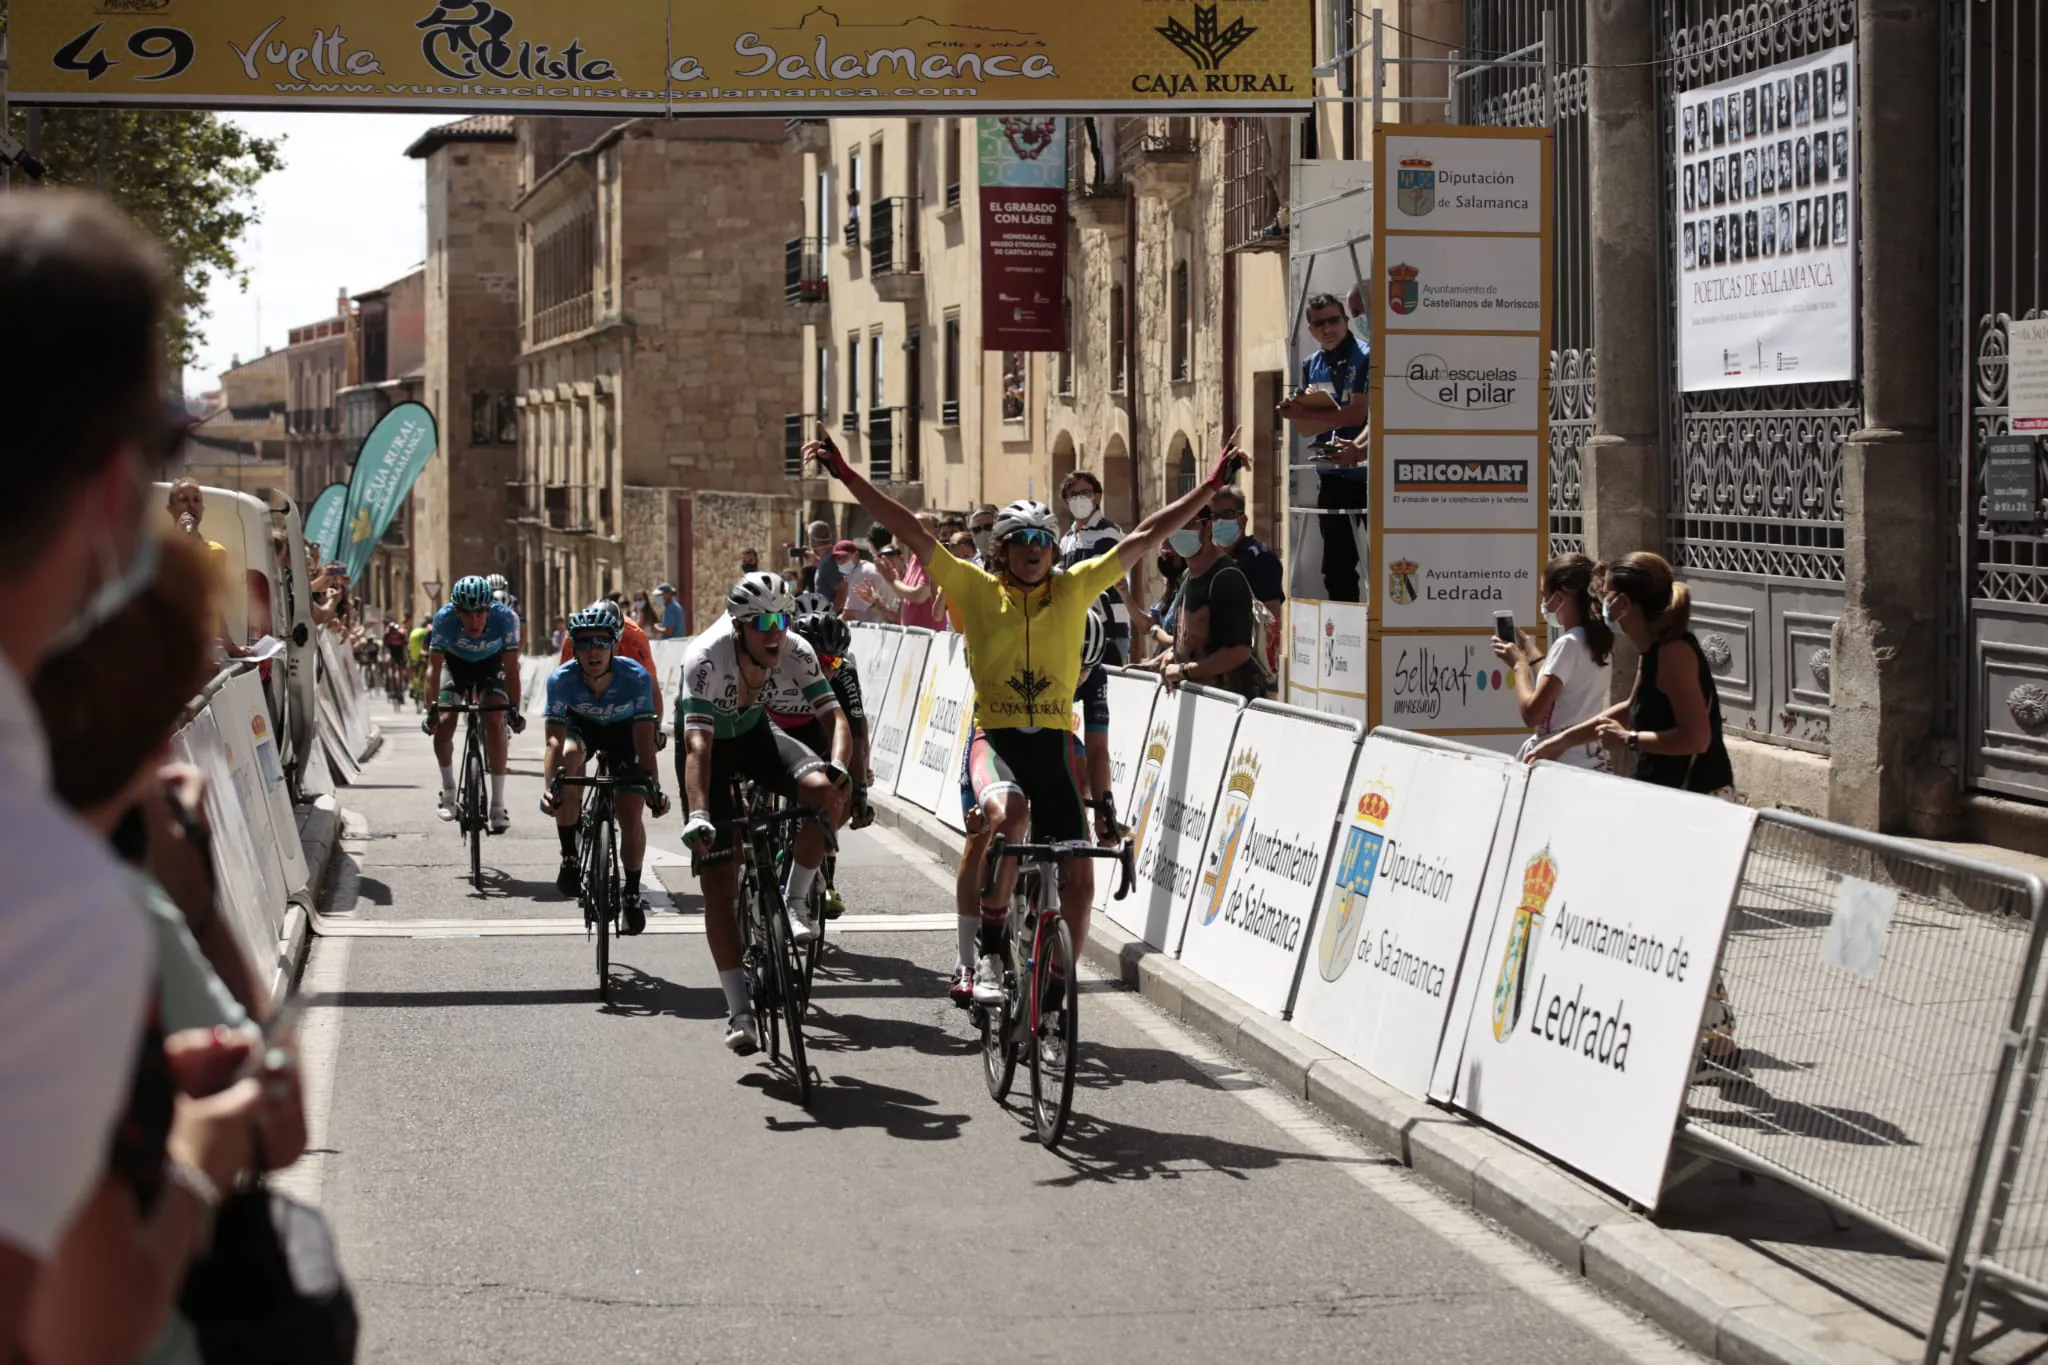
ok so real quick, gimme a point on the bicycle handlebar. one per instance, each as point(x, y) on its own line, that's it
point(463, 708)
point(772, 819)
point(999, 848)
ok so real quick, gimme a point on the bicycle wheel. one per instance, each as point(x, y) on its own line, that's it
point(1056, 1036)
point(788, 1002)
point(470, 807)
point(998, 1050)
point(601, 886)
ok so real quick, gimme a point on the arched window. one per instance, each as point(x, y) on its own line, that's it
point(1184, 470)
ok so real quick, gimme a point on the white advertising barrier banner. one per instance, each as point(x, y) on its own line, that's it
point(1180, 771)
point(927, 772)
point(948, 810)
point(257, 922)
point(1411, 858)
point(1131, 699)
point(1255, 900)
point(874, 655)
point(244, 719)
point(1304, 651)
point(668, 666)
point(1765, 206)
point(1595, 974)
point(895, 707)
point(1472, 981)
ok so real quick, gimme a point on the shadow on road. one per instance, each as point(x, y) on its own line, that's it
point(844, 1102)
point(643, 995)
point(1102, 1152)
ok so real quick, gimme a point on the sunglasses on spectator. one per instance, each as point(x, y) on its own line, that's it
point(1032, 536)
point(771, 620)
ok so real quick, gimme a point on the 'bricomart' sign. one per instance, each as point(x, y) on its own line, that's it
point(683, 56)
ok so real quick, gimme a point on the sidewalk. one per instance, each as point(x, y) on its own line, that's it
point(1742, 1269)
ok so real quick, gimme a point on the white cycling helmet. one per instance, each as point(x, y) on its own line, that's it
point(813, 604)
point(497, 582)
point(1025, 515)
point(611, 613)
point(759, 593)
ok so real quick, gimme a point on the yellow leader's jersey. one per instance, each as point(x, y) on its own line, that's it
point(1023, 644)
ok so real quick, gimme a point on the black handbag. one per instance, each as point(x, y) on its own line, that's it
point(271, 1291)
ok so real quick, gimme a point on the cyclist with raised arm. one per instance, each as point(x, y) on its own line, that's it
point(602, 703)
point(728, 677)
point(477, 641)
point(1024, 620)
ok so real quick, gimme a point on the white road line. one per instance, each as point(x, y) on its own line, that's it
point(325, 977)
point(338, 928)
point(1527, 1270)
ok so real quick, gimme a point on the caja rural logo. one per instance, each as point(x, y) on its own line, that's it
point(1363, 841)
point(1209, 42)
point(1237, 802)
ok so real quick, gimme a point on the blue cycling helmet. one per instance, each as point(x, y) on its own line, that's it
point(591, 620)
point(471, 594)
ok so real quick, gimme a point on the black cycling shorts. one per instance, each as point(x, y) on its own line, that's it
point(1048, 766)
point(768, 755)
point(614, 741)
point(811, 734)
point(485, 677)
point(1093, 695)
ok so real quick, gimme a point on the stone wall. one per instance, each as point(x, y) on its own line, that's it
point(723, 524)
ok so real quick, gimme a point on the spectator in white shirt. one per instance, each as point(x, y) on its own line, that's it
point(863, 593)
point(1572, 682)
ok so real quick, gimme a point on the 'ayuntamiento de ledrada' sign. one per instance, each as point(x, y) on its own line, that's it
point(789, 57)
point(1766, 236)
point(1596, 970)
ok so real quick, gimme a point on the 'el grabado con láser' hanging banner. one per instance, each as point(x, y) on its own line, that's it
point(787, 57)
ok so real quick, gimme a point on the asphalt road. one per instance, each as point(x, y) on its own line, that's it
point(518, 1173)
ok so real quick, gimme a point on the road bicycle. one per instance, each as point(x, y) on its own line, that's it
point(603, 888)
point(774, 963)
point(472, 810)
point(1045, 1021)
point(394, 682)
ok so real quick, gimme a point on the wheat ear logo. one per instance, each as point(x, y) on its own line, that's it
point(1205, 44)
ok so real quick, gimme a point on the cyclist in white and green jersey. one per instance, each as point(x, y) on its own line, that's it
point(721, 721)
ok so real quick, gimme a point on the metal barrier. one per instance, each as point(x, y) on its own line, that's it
point(1879, 990)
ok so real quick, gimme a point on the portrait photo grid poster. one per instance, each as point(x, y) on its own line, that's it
point(1765, 191)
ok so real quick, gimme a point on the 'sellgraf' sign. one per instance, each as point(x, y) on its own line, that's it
point(652, 57)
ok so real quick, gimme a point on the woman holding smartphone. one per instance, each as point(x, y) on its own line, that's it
point(1568, 685)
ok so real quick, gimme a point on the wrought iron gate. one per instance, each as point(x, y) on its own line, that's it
point(1753, 482)
point(1998, 229)
point(1496, 94)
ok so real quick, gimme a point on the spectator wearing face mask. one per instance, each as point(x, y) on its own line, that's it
point(1172, 568)
point(824, 576)
point(1567, 686)
point(674, 625)
point(863, 593)
point(1092, 534)
point(1261, 566)
point(1212, 637)
point(981, 528)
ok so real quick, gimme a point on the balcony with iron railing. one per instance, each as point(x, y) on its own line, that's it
point(1157, 154)
point(804, 286)
point(1254, 205)
point(893, 446)
point(796, 433)
point(895, 257)
point(1095, 197)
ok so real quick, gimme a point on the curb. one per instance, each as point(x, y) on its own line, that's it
point(1710, 1309)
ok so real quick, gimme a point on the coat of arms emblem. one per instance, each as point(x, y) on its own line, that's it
point(1404, 289)
point(1401, 581)
point(1415, 186)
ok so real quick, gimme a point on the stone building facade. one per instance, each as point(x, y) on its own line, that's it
point(241, 444)
point(320, 363)
point(657, 358)
point(469, 357)
point(886, 281)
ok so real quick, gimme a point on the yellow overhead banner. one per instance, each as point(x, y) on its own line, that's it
point(788, 57)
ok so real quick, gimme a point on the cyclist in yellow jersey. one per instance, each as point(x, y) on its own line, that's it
point(1023, 619)
point(416, 660)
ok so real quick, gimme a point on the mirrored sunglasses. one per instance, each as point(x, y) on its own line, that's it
point(593, 641)
point(771, 620)
point(1031, 537)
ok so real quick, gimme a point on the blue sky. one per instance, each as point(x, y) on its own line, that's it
point(348, 211)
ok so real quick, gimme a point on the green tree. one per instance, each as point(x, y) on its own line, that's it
point(185, 177)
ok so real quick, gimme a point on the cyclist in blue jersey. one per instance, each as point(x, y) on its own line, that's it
point(477, 641)
point(599, 703)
